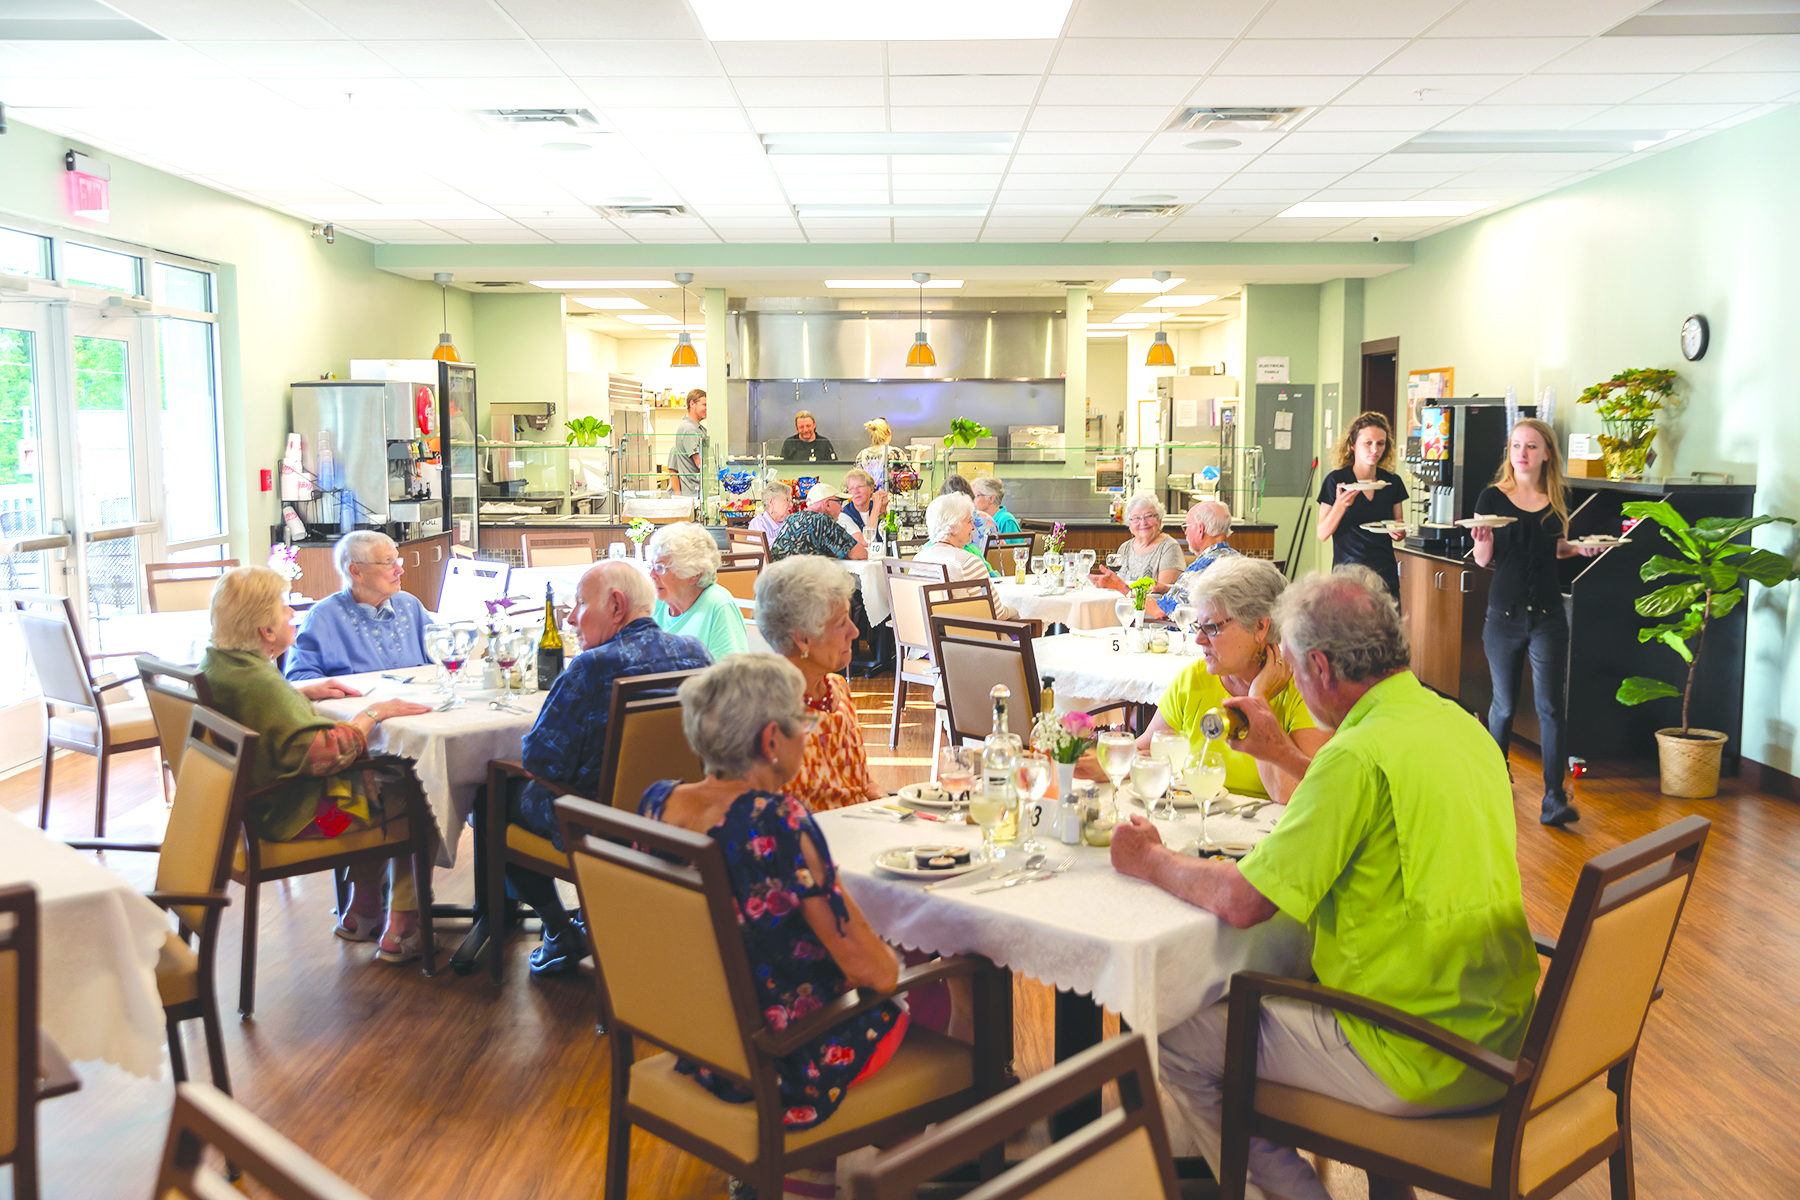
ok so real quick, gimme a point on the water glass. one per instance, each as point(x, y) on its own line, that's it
point(616, 550)
point(1116, 752)
point(1087, 562)
point(1037, 568)
point(437, 645)
point(1150, 780)
point(1031, 779)
point(958, 769)
point(459, 643)
point(1125, 611)
point(1183, 615)
point(1208, 780)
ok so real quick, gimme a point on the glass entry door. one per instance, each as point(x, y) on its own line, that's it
point(109, 454)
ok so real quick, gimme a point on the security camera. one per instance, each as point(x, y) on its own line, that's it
point(1374, 237)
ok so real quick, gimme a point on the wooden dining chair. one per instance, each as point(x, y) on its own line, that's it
point(556, 549)
point(905, 583)
point(747, 541)
point(32, 1068)
point(1125, 1153)
point(907, 547)
point(738, 573)
point(78, 713)
point(1567, 1104)
point(1000, 551)
point(212, 785)
point(183, 586)
point(171, 691)
point(682, 982)
point(974, 655)
point(207, 1119)
point(644, 743)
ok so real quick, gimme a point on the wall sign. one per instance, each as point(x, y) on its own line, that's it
point(1272, 370)
point(88, 187)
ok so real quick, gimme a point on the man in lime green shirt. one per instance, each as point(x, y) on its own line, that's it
point(1397, 850)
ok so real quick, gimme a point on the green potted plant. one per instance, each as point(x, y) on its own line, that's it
point(586, 431)
point(1709, 570)
point(1627, 405)
point(965, 433)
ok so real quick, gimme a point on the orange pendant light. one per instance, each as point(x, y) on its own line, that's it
point(1161, 353)
point(685, 355)
point(920, 355)
point(445, 352)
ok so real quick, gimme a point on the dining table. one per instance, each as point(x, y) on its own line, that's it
point(1073, 608)
point(100, 940)
point(1089, 672)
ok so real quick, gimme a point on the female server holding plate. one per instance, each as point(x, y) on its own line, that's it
point(1364, 491)
point(1525, 609)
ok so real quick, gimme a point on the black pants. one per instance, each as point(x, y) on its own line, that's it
point(535, 889)
point(1508, 638)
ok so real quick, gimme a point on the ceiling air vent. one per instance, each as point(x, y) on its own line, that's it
point(1141, 211)
point(1234, 119)
point(626, 212)
point(543, 120)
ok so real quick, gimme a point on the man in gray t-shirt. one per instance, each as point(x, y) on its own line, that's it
point(690, 446)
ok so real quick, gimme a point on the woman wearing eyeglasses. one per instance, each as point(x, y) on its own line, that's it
point(1149, 552)
point(371, 625)
point(684, 566)
point(1241, 656)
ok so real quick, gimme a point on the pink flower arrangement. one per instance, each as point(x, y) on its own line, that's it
point(1053, 541)
point(1068, 738)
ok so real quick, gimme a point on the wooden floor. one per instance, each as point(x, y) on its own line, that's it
point(453, 1088)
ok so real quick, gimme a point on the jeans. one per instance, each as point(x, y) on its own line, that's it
point(1543, 634)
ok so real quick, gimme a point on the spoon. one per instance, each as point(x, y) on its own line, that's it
point(1031, 864)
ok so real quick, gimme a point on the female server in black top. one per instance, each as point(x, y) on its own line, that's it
point(1525, 609)
point(1366, 456)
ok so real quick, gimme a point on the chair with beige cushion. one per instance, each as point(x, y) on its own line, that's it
point(1000, 549)
point(171, 690)
point(205, 1118)
point(738, 572)
point(1125, 1153)
point(682, 982)
point(905, 583)
point(32, 1068)
point(78, 715)
point(1567, 1106)
point(556, 549)
point(644, 743)
point(183, 586)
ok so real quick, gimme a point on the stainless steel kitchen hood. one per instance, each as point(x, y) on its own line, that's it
point(968, 345)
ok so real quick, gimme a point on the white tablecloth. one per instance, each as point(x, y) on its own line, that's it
point(172, 636)
point(1134, 948)
point(871, 583)
point(449, 750)
point(1083, 608)
point(98, 944)
point(1087, 672)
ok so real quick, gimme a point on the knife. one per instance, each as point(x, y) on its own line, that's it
point(1039, 877)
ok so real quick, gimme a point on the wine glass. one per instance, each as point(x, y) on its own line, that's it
point(1053, 564)
point(1021, 555)
point(1183, 615)
point(986, 811)
point(437, 645)
point(957, 769)
point(1115, 560)
point(1172, 746)
point(1208, 780)
point(1088, 557)
point(458, 643)
point(507, 648)
point(1031, 779)
point(1117, 749)
point(1150, 780)
point(1037, 569)
point(1126, 612)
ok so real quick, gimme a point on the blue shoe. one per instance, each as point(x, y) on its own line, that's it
point(560, 954)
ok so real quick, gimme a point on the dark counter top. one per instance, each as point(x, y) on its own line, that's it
point(1664, 487)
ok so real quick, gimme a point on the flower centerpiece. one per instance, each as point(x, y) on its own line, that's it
point(1053, 541)
point(1066, 738)
point(639, 531)
point(285, 562)
point(1627, 405)
point(1140, 591)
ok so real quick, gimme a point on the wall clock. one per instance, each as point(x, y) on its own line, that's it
point(1694, 336)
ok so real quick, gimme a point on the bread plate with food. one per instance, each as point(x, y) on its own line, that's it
point(928, 860)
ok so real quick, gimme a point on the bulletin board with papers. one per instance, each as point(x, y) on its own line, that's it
point(1284, 430)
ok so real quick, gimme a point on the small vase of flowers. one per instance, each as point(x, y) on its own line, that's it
point(285, 562)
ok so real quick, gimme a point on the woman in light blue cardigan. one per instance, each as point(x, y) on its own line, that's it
point(371, 625)
point(684, 565)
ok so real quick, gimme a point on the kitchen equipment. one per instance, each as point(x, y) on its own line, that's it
point(360, 443)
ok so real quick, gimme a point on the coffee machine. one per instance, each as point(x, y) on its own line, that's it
point(1460, 444)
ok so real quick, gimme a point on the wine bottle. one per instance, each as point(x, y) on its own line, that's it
point(550, 646)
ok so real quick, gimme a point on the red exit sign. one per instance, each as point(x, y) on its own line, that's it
point(88, 184)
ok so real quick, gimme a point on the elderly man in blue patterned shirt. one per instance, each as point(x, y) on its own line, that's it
point(1208, 525)
point(371, 625)
point(619, 640)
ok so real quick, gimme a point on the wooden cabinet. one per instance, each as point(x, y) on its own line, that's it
point(426, 560)
point(1443, 605)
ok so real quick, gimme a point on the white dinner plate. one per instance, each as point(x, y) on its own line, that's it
point(1486, 521)
point(1598, 539)
point(898, 860)
point(1389, 527)
point(910, 794)
point(1363, 486)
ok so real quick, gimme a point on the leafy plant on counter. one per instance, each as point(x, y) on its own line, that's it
point(964, 433)
point(639, 530)
point(1713, 569)
point(1634, 395)
point(586, 431)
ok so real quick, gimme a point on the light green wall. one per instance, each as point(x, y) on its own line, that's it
point(521, 349)
point(1583, 283)
point(291, 307)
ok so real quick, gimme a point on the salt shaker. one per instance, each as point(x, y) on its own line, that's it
point(1070, 810)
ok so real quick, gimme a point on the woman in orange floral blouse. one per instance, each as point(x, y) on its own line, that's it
point(803, 612)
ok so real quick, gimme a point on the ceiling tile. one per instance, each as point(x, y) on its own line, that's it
point(1073, 118)
point(1477, 55)
point(1337, 143)
point(651, 92)
point(668, 59)
point(1423, 90)
point(1116, 89)
point(1750, 114)
point(1024, 57)
point(1367, 118)
point(1577, 89)
point(544, 19)
point(411, 18)
point(1741, 87)
point(259, 19)
point(969, 179)
point(1010, 194)
point(297, 59)
point(1079, 143)
point(1410, 163)
point(962, 89)
point(1175, 144)
point(1770, 54)
point(1044, 164)
point(1307, 162)
point(819, 120)
point(1271, 89)
point(1333, 19)
point(1158, 18)
point(1264, 195)
point(1310, 56)
point(1623, 55)
point(1409, 181)
point(1072, 179)
point(358, 95)
point(1191, 163)
point(1564, 163)
point(1536, 18)
point(1146, 56)
point(1662, 116)
point(1310, 180)
point(943, 195)
point(535, 92)
point(800, 60)
point(745, 211)
point(1490, 181)
point(957, 119)
point(678, 120)
point(1399, 190)
point(1520, 116)
point(516, 58)
point(162, 61)
point(794, 93)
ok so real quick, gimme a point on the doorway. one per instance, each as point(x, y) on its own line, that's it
point(1381, 378)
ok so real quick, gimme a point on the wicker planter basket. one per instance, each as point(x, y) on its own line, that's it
point(1690, 765)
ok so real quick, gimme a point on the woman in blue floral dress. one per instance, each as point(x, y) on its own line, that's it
point(808, 943)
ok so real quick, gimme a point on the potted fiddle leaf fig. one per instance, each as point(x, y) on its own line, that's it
point(1704, 580)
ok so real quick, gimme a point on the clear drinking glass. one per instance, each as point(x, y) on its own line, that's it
point(1174, 748)
point(1115, 560)
point(1037, 569)
point(1116, 752)
point(1021, 555)
point(1031, 779)
point(1053, 564)
point(1088, 558)
point(986, 812)
point(1183, 616)
point(1150, 780)
point(1208, 780)
point(507, 649)
point(616, 550)
point(458, 643)
point(1126, 612)
point(958, 768)
point(437, 645)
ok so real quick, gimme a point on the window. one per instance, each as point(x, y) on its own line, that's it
point(91, 266)
point(179, 287)
point(190, 429)
point(24, 253)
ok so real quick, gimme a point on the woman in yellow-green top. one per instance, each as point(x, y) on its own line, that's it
point(1240, 648)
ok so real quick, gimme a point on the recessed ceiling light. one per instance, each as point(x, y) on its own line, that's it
point(1134, 320)
point(608, 301)
point(1710, 18)
point(400, 212)
point(1215, 144)
point(599, 285)
point(629, 200)
point(1145, 287)
point(889, 143)
point(1104, 332)
point(1178, 301)
point(1353, 209)
point(889, 285)
point(1537, 141)
point(921, 20)
point(1154, 198)
point(648, 319)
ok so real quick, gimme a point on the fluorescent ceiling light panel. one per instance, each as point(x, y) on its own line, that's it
point(889, 143)
point(608, 301)
point(1134, 320)
point(919, 20)
point(648, 319)
point(600, 285)
point(400, 212)
point(1351, 210)
point(1711, 18)
point(1537, 141)
point(1179, 301)
point(1145, 287)
point(889, 285)
point(1094, 333)
point(890, 210)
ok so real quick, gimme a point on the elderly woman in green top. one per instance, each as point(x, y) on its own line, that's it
point(684, 565)
point(252, 626)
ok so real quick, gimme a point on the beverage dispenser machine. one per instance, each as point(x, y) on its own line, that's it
point(1460, 445)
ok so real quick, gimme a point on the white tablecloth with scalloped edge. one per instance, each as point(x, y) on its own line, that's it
point(1083, 608)
point(1088, 672)
point(98, 941)
point(1130, 945)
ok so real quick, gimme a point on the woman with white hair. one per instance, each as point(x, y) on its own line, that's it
point(950, 523)
point(684, 566)
point(371, 625)
point(807, 941)
point(252, 626)
point(866, 504)
point(1240, 645)
point(803, 612)
point(778, 502)
point(990, 502)
point(1148, 553)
